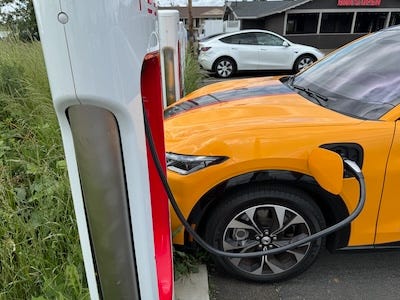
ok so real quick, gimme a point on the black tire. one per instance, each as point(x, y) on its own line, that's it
point(224, 67)
point(236, 223)
point(303, 61)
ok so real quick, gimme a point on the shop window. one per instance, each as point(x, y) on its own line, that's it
point(302, 23)
point(394, 19)
point(369, 22)
point(336, 22)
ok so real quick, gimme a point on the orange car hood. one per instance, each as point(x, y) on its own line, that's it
point(242, 108)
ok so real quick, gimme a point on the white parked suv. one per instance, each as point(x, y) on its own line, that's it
point(248, 50)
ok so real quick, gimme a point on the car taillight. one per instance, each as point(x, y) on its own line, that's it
point(204, 49)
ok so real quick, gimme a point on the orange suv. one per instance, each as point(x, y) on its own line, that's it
point(238, 159)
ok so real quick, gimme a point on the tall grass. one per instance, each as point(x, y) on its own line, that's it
point(40, 255)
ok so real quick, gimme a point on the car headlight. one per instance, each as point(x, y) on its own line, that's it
point(186, 164)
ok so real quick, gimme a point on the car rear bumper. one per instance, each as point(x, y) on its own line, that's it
point(205, 63)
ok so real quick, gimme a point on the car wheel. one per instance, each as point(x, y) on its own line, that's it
point(303, 62)
point(225, 67)
point(262, 217)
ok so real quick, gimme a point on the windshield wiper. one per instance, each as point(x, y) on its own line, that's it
point(315, 95)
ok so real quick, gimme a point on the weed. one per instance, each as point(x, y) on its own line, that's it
point(188, 262)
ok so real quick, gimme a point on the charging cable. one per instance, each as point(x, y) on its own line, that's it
point(350, 165)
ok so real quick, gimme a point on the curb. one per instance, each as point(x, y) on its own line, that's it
point(193, 287)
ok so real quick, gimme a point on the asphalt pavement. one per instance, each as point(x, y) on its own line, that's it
point(342, 275)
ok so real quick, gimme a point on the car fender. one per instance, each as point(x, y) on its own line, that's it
point(213, 176)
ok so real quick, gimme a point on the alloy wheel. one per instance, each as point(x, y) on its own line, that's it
point(265, 227)
point(224, 68)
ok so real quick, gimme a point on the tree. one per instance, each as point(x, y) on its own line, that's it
point(19, 17)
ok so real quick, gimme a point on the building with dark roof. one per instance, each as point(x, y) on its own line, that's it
point(325, 24)
point(199, 14)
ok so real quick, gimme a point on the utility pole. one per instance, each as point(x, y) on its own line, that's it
point(190, 27)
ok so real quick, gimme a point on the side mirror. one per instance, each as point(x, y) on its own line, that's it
point(285, 44)
point(327, 168)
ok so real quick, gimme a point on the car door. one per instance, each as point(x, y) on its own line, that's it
point(244, 49)
point(274, 55)
point(388, 224)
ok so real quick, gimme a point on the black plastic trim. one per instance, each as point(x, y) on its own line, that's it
point(351, 151)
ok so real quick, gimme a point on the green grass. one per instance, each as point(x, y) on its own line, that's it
point(40, 255)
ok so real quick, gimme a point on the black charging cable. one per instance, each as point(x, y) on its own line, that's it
point(350, 165)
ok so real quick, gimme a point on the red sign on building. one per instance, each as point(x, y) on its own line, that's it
point(359, 2)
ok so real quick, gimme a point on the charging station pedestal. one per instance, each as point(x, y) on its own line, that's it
point(102, 59)
point(168, 22)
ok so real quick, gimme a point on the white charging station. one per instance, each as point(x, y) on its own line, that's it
point(168, 22)
point(94, 52)
point(182, 48)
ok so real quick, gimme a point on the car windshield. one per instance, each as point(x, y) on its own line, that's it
point(361, 80)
